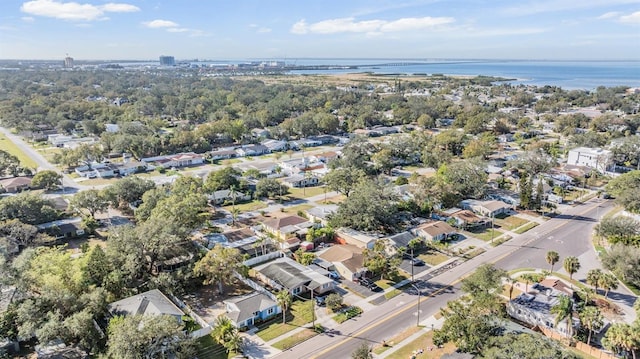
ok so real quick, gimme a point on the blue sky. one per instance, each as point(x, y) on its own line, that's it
point(289, 29)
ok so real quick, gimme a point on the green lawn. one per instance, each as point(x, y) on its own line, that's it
point(305, 192)
point(298, 208)
point(433, 258)
point(526, 227)
point(397, 339)
point(299, 315)
point(500, 240)
point(486, 234)
point(248, 206)
point(8, 146)
point(209, 349)
point(423, 342)
point(295, 339)
point(510, 222)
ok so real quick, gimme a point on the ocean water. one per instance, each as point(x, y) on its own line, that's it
point(585, 75)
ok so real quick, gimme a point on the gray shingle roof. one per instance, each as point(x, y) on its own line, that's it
point(152, 302)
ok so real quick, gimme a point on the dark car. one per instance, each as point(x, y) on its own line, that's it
point(415, 261)
point(365, 282)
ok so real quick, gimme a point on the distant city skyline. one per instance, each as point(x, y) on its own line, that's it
point(288, 29)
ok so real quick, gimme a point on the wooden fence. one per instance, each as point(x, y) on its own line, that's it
point(580, 346)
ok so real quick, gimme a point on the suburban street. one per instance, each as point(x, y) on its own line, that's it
point(569, 234)
point(70, 185)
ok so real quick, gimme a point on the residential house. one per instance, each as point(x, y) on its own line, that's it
point(223, 154)
point(305, 142)
point(285, 273)
point(300, 181)
point(152, 302)
point(489, 208)
point(63, 228)
point(466, 219)
point(225, 195)
point(247, 310)
point(325, 157)
point(434, 231)
point(235, 238)
point(288, 226)
point(108, 170)
point(595, 158)
point(275, 145)
point(15, 184)
point(347, 260)
point(260, 133)
point(356, 238)
point(176, 160)
point(320, 213)
point(534, 308)
point(294, 166)
point(401, 240)
point(252, 150)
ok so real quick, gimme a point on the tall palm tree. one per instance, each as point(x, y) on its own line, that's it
point(284, 300)
point(609, 281)
point(222, 329)
point(511, 282)
point(592, 319)
point(622, 336)
point(233, 342)
point(571, 264)
point(527, 278)
point(552, 258)
point(594, 278)
point(564, 311)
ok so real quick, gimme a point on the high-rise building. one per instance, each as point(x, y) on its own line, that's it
point(68, 62)
point(167, 61)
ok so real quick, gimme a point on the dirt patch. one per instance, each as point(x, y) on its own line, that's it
point(209, 304)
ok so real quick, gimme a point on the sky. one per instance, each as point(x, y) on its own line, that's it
point(291, 29)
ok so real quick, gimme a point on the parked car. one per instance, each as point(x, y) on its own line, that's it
point(415, 261)
point(320, 301)
point(365, 282)
point(333, 275)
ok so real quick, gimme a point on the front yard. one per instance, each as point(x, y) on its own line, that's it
point(300, 314)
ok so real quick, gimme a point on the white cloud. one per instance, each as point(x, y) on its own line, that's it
point(157, 24)
point(544, 6)
point(264, 30)
point(609, 15)
point(633, 18)
point(349, 24)
point(72, 10)
point(173, 27)
point(28, 19)
point(177, 29)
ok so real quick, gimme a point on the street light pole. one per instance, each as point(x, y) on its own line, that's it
point(418, 312)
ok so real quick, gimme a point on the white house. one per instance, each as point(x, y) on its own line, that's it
point(596, 158)
point(275, 145)
point(299, 181)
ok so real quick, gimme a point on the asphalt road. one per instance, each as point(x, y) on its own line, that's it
point(70, 185)
point(569, 234)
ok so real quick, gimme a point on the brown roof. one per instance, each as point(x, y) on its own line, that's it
point(15, 182)
point(349, 255)
point(436, 228)
point(557, 284)
point(339, 253)
point(494, 205)
point(277, 223)
point(239, 234)
point(467, 216)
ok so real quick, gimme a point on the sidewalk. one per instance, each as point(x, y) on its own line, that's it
point(326, 320)
point(427, 325)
